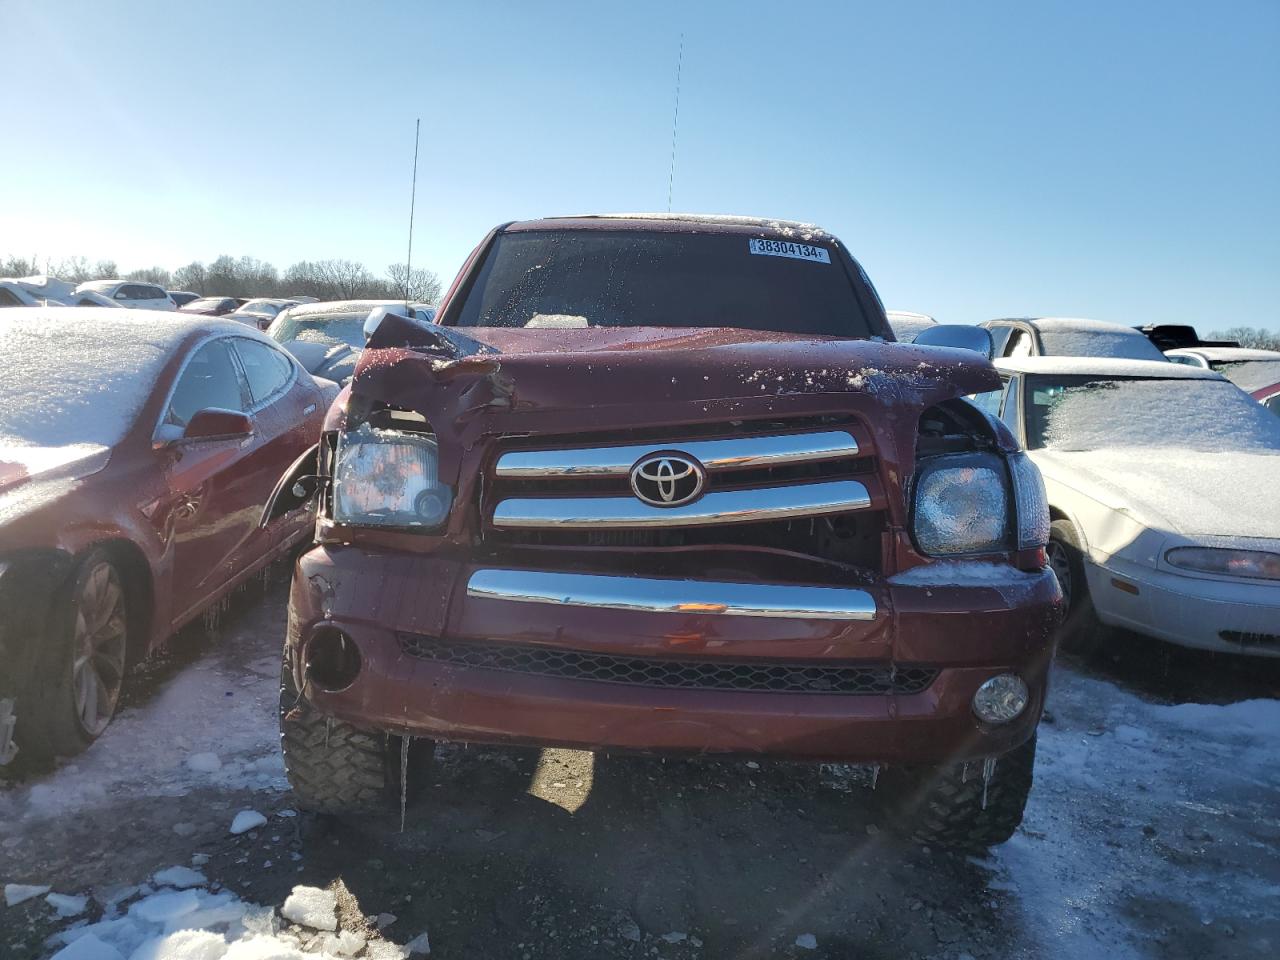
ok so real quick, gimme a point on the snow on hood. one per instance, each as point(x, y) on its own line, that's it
point(19, 464)
point(618, 365)
point(1192, 492)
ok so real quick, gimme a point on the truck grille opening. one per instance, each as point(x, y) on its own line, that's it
point(757, 676)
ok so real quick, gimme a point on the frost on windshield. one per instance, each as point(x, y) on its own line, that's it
point(1251, 374)
point(1204, 415)
point(1093, 338)
point(78, 379)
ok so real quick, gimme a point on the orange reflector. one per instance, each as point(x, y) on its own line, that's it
point(1124, 585)
point(702, 607)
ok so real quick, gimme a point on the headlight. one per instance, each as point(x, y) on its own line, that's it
point(1256, 564)
point(389, 478)
point(962, 504)
point(1031, 502)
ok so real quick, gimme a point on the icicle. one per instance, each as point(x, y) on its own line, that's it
point(988, 768)
point(328, 729)
point(964, 772)
point(875, 775)
point(404, 776)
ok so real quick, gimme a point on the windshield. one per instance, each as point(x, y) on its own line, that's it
point(1249, 375)
point(259, 308)
point(1086, 340)
point(1092, 413)
point(345, 328)
point(630, 278)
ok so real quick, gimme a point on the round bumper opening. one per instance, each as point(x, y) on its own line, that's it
point(333, 659)
point(1001, 699)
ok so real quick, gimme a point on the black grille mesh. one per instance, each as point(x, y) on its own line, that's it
point(762, 676)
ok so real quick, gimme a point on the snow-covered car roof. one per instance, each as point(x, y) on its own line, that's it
point(99, 284)
point(78, 375)
point(40, 287)
point(1079, 337)
point(333, 308)
point(1225, 354)
point(906, 325)
point(1104, 367)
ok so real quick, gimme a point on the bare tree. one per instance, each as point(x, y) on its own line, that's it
point(419, 284)
point(194, 277)
point(18, 267)
point(105, 270)
point(157, 275)
point(1254, 337)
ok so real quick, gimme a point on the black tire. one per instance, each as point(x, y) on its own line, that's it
point(1081, 630)
point(81, 664)
point(336, 768)
point(944, 806)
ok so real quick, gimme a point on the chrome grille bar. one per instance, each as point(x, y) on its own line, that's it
point(653, 595)
point(727, 506)
point(735, 453)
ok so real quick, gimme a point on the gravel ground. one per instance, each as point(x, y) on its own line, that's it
point(1151, 831)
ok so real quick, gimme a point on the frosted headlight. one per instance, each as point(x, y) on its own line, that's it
point(1032, 504)
point(389, 478)
point(1255, 564)
point(962, 504)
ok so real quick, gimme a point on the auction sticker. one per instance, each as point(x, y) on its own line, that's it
point(785, 248)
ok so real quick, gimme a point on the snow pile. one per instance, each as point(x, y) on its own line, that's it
point(79, 376)
point(195, 924)
point(312, 907)
point(16, 893)
point(1094, 338)
point(245, 821)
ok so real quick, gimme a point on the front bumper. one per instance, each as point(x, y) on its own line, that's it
point(1205, 614)
point(390, 604)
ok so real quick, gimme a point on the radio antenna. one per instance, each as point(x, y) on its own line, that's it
point(675, 122)
point(413, 196)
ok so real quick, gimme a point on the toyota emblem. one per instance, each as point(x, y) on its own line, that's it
point(667, 479)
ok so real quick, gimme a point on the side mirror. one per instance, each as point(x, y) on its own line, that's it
point(959, 335)
point(375, 318)
point(214, 424)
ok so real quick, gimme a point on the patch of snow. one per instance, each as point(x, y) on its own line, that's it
point(1094, 338)
point(807, 941)
point(1105, 367)
point(345, 943)
point(263, 948)
point(165, 906)
point(67, 905)
point(246, 820)
point(183, 945)
point(16, 893)
point(178, 877)
point(204, 762)
point(1010, 582)
point(88, 948)
point(312, 907)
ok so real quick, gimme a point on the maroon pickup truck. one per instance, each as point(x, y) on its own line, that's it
point(665, 484)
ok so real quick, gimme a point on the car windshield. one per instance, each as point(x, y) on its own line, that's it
point(1249, 375)
point(1092, 413)
point(631, 278)
point(345, 328)
point(259, 308)
point(1084, 339)
point(204, 304)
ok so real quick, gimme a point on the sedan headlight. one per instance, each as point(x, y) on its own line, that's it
point(962, 504)
point(389, 478)
point(1255, 564)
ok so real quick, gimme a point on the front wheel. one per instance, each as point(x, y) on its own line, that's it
point(1081, 630)
point(81, 669)
point(337, 768)
point(965, 806)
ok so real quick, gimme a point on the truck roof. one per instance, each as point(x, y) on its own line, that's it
point(677, 222)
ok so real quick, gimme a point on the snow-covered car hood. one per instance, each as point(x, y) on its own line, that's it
point(20, 464)
point(1197, 493)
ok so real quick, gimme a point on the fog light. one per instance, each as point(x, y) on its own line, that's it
point(1000, 699)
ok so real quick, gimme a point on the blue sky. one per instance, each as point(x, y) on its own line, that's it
point(1116, 161)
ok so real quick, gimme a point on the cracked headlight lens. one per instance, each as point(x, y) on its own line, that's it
point(962, 505)
point(389, 478)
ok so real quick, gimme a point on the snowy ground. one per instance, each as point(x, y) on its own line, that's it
point(1152, 832)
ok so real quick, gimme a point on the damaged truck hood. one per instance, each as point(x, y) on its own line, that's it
point(519, 370)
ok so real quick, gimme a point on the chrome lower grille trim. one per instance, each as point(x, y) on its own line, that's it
point(731, 454)
point(726, 506)
point(652, 595)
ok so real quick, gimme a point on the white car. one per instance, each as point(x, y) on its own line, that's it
point(261, 311)
point(131, 293)
point(327, 337)
point(1257, 372)
point(47, 292)
point(1162, 484)
point(1068, 337)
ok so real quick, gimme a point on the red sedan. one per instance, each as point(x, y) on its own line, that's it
point(136, 452)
